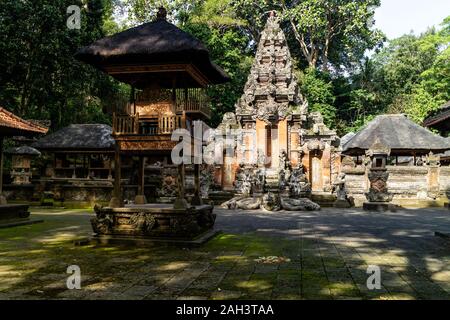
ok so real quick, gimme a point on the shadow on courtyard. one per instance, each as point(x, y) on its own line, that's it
point(260, 255)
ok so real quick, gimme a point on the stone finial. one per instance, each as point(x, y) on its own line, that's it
point(380, 148)
point(273, 14)
point(162, 14)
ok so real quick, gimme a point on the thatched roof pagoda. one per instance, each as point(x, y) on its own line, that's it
point(400, 134)
point(78, 138)
point(154, 52)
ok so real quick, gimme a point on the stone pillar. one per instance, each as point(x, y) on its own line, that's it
point(283, 136)
point(180, 202)
point(326, 169)
point(433, 176)
point(228, 173)
point(197, 199)
point(140, 197)
point(261, 140)
point(294, 148)
point(117, 200)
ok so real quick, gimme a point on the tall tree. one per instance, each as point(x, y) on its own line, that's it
point(333, 32)
point(40, 78)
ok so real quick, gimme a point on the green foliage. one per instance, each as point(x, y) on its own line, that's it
point(335, 33)
point(414, 73)
point(318, 90)
point(40, 78)
point(328, 40)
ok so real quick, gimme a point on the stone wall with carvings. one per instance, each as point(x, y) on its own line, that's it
point(410, 185)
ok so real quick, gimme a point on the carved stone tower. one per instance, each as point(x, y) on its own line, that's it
point(271, 93)
point(274, 133)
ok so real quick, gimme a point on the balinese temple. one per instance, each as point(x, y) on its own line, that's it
point(415, 174)
point(12, 125)
point(168, 71)
point(275, 136)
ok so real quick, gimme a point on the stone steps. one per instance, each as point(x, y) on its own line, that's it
point(219, 197)
point(324, 199)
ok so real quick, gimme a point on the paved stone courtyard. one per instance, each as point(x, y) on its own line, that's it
point(259, 255)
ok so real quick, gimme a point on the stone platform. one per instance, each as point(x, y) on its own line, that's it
point(379, 206)
point(153, 221)
point(12, 215)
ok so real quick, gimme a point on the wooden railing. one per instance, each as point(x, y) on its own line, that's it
point(125, 124)
point(129, 124)
point(168, 124)
point(193, 100)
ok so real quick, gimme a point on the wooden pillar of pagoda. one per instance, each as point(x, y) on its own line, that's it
point(117, 200)
point(140, 197)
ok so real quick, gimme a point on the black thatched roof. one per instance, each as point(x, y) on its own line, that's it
point(347, 137)
point(442, 115)
point(23, 150)
point(157, 42)
point(399, 133)
point(78, 137)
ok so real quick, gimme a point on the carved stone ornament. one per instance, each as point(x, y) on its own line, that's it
point(315, 145)
point(142, 221)
point(271, 91)
point(378, 148)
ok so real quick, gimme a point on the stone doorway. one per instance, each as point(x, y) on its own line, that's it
point(316, 172)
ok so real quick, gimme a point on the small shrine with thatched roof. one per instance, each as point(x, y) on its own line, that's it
point(12, 125)
point(412, 170)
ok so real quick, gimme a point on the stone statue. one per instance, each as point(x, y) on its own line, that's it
point(261, 161)
point(284, 161)
point(299, 205)
point(339, 187)
point(259, 181)
point(246, 187)
point(342, 200)
point(271, 202)
point(298, 184)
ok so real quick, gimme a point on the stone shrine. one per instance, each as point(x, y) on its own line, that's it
point(272, 144)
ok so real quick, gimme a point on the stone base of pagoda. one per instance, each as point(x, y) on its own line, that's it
point(153, 222)
point(12, 215)
point(379, 206)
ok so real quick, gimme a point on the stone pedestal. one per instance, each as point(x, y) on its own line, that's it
point(339, 203)
point(378, 206)
point(15, 215)
point(154, 221)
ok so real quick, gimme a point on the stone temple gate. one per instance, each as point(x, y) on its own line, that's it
point(278, 145)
